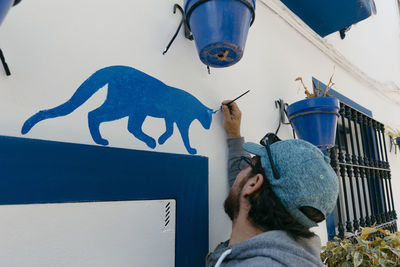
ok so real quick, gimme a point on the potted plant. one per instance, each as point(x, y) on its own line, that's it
point(219, 29)
point(366, 249)
point(314, 119)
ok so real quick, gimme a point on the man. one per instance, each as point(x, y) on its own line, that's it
point(275, 197)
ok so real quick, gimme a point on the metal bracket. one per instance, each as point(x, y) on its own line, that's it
point(281, 105)
point(343, 31)
point(188, 33)
point(3, 61)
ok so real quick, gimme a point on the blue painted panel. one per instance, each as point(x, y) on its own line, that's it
point(330, 220)
point(330, 226)
point(35, 171)
point(134, 94)
point(328, 16)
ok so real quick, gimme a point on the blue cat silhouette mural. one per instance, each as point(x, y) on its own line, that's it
point(134, 94)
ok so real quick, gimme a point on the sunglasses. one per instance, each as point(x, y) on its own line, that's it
point(266, 141)
point(249, 162)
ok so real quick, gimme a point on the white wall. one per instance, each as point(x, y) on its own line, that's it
point(373, 44)
point(53, 46)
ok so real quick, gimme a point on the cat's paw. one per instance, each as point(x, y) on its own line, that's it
point(192, 151)
point(103, 142)
point(151, 143)
point(25, 128)
point(162, 139)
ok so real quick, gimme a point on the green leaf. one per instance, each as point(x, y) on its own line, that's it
point(395, 251)
point(346, 264)
point(357, 259)
point(379, 252)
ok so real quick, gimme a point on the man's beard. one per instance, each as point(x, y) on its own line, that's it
point(232, 204)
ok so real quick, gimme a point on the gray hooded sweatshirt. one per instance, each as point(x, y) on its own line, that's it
point(272, 248)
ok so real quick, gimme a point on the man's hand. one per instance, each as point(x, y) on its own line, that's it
point(232, 118)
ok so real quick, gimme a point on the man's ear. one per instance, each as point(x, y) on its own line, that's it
point(253, 185)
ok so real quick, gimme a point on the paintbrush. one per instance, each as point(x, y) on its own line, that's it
point(215, 111)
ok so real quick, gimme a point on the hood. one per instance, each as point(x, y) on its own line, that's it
point(272, 248)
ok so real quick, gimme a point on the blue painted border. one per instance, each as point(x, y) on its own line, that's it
point(36, 171)
point(343, 98)
point(330, 220)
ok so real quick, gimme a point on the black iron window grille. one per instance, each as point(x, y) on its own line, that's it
point(361, 163)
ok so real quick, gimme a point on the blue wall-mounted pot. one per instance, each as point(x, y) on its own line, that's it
point(5, 6)
point(328, 16)
point(315, 120)
point(220, 29)
point(398, 141)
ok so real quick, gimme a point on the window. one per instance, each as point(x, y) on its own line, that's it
point(361, 163)
point(360, 160)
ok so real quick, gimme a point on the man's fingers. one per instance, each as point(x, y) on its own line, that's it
point(226, 102)
point(234, 107)
point(235, 111)
point(225, 111)
point(232, 117)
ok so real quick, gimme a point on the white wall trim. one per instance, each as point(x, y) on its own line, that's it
point(387, 89)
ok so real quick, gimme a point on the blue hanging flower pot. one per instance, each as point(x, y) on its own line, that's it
point(327, 16)
point(219, 29)
point(398, 141)
point(315, 120)
point(5, 6)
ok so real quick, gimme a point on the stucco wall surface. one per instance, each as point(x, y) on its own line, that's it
point(53, 46)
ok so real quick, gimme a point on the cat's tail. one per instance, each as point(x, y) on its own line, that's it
point(96, 81)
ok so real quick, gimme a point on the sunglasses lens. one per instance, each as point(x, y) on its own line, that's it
point(273, 139)
point(269, 138)
point(244, 163)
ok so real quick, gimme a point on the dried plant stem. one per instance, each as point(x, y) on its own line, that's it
point(391, 132)
point(308, 94)
point(330, 84)
point(317, 91)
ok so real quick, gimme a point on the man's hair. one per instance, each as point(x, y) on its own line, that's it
point(268, 212)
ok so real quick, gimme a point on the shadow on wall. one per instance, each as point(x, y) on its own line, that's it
point(134, 94)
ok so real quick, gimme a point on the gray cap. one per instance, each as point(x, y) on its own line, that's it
point(306, 177)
